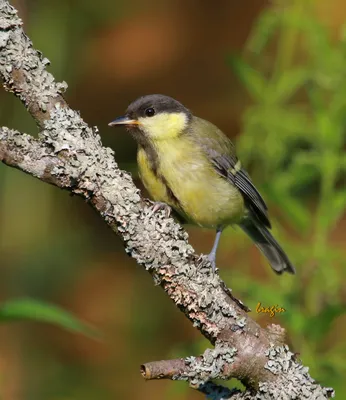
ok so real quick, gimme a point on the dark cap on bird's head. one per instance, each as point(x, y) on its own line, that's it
point(145, 105)
point(153, 114)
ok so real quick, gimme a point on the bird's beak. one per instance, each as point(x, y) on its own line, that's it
point(125, 120)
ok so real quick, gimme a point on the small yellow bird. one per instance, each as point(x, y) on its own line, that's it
point(188, 164)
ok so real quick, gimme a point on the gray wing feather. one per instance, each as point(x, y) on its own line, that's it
point(220, 151)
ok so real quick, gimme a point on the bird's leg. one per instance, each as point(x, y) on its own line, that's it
point(159, 205)
point(212, 254)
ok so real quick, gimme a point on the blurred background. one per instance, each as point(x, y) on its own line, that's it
point(272, 75)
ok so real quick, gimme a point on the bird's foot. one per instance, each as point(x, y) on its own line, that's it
point(212, 260)
point(159, 205)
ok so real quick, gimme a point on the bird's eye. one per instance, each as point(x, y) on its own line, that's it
point(150, 112)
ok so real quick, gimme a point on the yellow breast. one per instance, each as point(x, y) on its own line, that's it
point(156, 188)
point(199, 193)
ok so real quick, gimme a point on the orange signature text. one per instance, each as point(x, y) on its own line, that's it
point(271, 310)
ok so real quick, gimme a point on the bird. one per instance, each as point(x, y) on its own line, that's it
point(189, 165)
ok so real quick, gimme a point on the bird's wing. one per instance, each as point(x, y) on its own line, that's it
point(230, 168)
point(220, 151)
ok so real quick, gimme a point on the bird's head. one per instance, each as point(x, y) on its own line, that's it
point(155, 117)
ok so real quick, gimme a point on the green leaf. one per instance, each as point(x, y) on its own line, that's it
point(314, 32)
point(286, 84)
point(255, 83)
point(264, 29)
point(30, 309)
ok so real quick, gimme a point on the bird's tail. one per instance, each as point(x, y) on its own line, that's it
point(264, 240)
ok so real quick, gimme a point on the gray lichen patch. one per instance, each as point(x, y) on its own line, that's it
point(279, 359)
point(23, 69)
point(8, 16)
point(4, 36)
point(66, 130)
point(293, 378)
point(98, 174)
point(209, 366)
point(241, 322)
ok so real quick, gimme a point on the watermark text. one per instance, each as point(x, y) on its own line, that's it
point(271, 310)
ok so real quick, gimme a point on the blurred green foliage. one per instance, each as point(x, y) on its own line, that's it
point(34, 310)
point(297, 124)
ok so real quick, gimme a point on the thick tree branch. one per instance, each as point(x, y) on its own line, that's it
point(70, 155)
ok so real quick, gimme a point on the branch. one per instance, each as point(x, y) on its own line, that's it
point(69, 154)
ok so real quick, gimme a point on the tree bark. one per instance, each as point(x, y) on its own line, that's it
point(69, 154)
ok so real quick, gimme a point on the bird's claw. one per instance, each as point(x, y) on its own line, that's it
point(211, 259)
point(159, 205)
